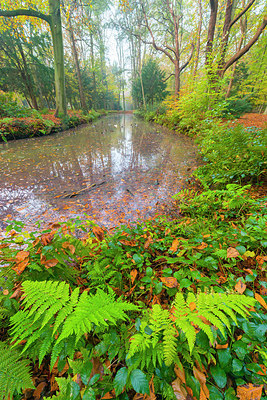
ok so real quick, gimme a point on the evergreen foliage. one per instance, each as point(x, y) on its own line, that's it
point(154, 85)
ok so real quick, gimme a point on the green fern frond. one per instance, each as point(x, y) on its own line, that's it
point(49, 309)
point(14, 373)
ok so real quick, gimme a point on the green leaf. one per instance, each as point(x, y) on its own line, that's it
point(139, 381)
point(120, 380)
point(224, 357)
point(230, 394)
point(237, 365)
point(94, 379)
point(89, 394)
point(184, 283)
point(215, 394)
point(219, 376)
point(74, 390)
point(240, 349)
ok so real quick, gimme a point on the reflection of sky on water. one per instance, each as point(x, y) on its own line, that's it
point(138, 164)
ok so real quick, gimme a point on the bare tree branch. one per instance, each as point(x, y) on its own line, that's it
point(246, 48)
point(28, 13)
point(241, 13)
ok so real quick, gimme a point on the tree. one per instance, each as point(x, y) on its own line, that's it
point(53, 18)
point(170, 17)
point(230, 20)
point(154, 84)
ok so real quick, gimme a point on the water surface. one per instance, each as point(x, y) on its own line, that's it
point(129, 168)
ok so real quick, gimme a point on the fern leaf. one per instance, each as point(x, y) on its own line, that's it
point(14, 373)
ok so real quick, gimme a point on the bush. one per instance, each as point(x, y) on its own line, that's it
point(237, 107)
point(10, 108)
point(232, 155)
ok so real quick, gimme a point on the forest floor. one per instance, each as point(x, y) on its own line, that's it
point(253, 119)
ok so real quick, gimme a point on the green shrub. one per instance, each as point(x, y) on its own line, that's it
point(232, 155)
point(10, 107)
point(237, 107)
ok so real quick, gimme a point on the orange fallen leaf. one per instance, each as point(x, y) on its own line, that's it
point(249, 392)
point(22, 260)
point(261, 300)
point(47, 238)
point(261, 259)
point(202, 246)
point(133, 274)
point(179, 372)
point(148, 242)
point(179, 391)
point(99, 233)
point(170, 282)
point(5, 292)
point(109, 395)
point(192, 306)
point(70, 247)
point(174, 245)
point(221, 346)
point(38, 391)
point(21, 255)
point(240, 287)
point(232, 253)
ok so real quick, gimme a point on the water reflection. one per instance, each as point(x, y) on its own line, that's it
point(133, 164)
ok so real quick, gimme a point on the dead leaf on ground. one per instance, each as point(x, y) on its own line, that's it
point(261, 259)
point(232, 253)
point(169, 281)
point(133, 274)
point(221, 346)
point(174, 245)
point(249, 392)
point(261, 300)
point(179, 391)
point(70, 247)
point(240, 287)
point(99, 233)
point(109, 395)
point(22, 260)
point(201, 377)
point(38, 391)
point(179, 372)
point(47, 238)
point(148, 242)
point(202, 246)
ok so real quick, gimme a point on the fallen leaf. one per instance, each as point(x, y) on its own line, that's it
point(38, 390)
point(179, 372)
point(133, 274)
point(99, 233)
point(201, 377)
point(221, 346)
point(48, 263)
point(170, 282)
point(5, 292)
point(109, 395)
point(249, 392)
point(202, 246)
point(261, 300)
point(240, 287)
point(47, 238)
point(70, 247)
point(261, 259)
point(232, 253)
point(179, 391)
point(22, 260)
point(174, 245)
point(148, 242)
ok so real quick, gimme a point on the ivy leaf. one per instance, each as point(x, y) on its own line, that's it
point(139, 381)
point(219, 376)
point(120, 380)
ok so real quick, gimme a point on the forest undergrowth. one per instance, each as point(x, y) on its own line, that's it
point(157, 309)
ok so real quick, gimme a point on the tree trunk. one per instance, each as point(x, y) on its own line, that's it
point(56, 31)
point(77, 66)
point(93, 68)
point(211, 29)
point(198, 38)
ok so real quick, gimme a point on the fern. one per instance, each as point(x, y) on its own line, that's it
point(216, 308)
point(157, 338)
point(53, 319)
point(14, 373)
